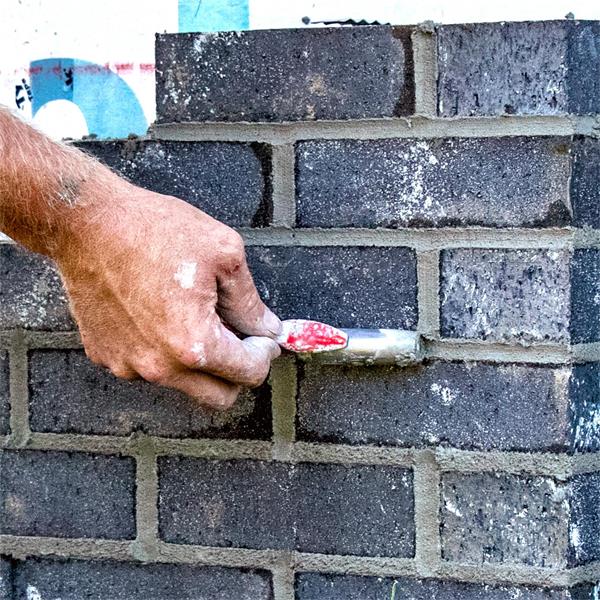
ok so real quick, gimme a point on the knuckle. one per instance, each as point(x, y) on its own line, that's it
point(191, 354)
point(122, 371)
point(232, 249)
point(223, 401)
point(153, 371)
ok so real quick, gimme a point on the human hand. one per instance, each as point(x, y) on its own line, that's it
point(153, 284)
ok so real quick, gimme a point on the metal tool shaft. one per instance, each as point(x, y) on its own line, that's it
point(373, 347)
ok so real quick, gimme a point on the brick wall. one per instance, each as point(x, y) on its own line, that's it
point(444, 180)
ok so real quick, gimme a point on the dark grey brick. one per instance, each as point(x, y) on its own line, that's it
point(111, 580)
point(543, 68)
point(363, 510)
point(285, 75)
point(310, 507)
point(345, 286)
point(4, 394)
point(225, 503)
point(316, 586)
point(506, 295)
point(31, 293)
point(68, 394)
point(497, 182)
point(66, 494)
point(585, 296)
point(585, 182)
point(6, 579)
point(465, 405)
point(585, 407)
point(584, 526)
point(502, 518)
point(231, 182)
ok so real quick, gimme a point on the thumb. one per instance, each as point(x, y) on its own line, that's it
point(241, 307)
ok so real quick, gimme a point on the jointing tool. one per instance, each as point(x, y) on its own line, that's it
point(330, 345)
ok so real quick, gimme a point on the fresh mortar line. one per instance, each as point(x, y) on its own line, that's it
point(483, 350)
point(589, 573)
point(283, 578)
point(372, 129)
point(543, 464)
point(283, 379)
point(352, 455)
point(146, 499)
point(19, 390)
point(427, 507)
point(355, 565)
point(498, 573)
point(422, 240)
point(21, 547)
point(588, 462)
point(59, 340)
point(425, 61)
point(243, 558)
point(428, 284)
point(586, 352)
point(586, 238)
point(74, 442)
point(213, 449)
point(284, 185)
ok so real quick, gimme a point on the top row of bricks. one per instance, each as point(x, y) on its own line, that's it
point(488, 69)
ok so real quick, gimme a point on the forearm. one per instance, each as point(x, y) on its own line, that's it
point(45, 187)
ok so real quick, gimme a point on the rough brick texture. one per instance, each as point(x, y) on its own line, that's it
point(4, 393)
point(544, 68)
point(585, 394)
point(62, 494)
point(68, 394)
point(285, 75)
point(466, 405)
point(506, 295)
point(75, 580)
point(585, 182)
point(314, 586)
point(584, 525)
point(6, 587)
point(497, 182)
point(231, 182)
point(585, 296)
point(345, 286)
point(333, 509)
point(31, 294)
point(502, 518)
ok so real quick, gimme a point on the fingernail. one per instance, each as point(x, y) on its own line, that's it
point(272, 323)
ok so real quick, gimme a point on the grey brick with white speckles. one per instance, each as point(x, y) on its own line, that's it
point(497, 182)
point(502, 518)
point(506, 295)
point(31, 292)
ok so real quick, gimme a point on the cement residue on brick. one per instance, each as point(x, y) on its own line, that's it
point(4, 393)
point(345, 286)
point(501, 518)
point(68, 394)
point(62, 494)
point(313, 586)
point(285, 75)
point(332, 509)
point(31, 292)
point(37, 579)
point(506, 295)
point(584, 389)
point(584, 526)
point(230, 182)
point(494, 182)
point(528, 68)
point(464, 405)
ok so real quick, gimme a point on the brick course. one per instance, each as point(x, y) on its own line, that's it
point(4, 393)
